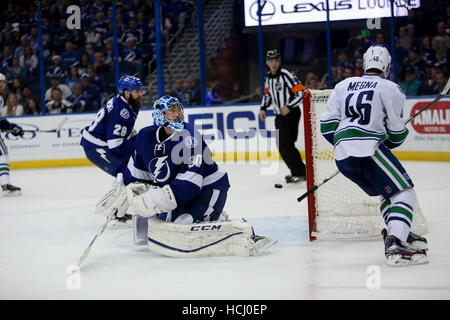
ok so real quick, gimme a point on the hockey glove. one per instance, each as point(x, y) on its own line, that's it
point(16, 130)
point(115, 201)
point(148, 200)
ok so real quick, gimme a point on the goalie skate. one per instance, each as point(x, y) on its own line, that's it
point(122, 222)
point(9, 190)
point(398, 253)
point(262, 244)
point(414, 241)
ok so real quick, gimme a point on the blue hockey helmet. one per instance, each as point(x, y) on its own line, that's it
point(129, 82)
point(161, 106)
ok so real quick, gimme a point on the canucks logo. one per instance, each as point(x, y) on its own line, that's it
point(160, 169)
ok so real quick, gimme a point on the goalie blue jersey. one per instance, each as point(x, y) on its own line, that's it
point(183, 161)
point(112, 128)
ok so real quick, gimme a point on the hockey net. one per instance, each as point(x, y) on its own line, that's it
point(338, 209)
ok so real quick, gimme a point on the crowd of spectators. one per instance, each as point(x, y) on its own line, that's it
point(422, 54)
point(79, 64)
point(189, 92)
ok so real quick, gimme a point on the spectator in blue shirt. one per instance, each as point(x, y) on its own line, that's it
point(412, 84)
point(78, 101)
point(74, 77)
point(441, 81)
point(132, 58)
point(57, 68)
point(100, 25)
point(69, 56)
point(90, 92)
point(133, 32)
point(177, 90)
point(178, 12)
point(17, 71)
point(141, 22)
point(6, 59)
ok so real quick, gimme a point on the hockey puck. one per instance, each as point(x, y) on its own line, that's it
point(278, 185)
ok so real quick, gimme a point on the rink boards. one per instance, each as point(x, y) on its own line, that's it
point(233, 132)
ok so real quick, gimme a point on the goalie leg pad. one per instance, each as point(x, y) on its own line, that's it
point(228, 238)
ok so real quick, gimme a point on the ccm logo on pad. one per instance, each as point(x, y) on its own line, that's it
point(203, 228)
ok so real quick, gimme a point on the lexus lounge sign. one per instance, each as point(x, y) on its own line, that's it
point(300, 11)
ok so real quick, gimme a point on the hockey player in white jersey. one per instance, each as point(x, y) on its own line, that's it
point(8, 189)
point(363, 120)
point(178, 193)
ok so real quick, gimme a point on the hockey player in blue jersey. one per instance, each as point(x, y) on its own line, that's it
point(363, 120)
point(8, 189)
point(172, 155)
point(178, 192)
point(109, 141)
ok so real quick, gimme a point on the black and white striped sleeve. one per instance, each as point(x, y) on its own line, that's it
point(295, 88)
point(266, 98)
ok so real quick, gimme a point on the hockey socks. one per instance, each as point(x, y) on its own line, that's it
point(4, 170)
point(398, 211)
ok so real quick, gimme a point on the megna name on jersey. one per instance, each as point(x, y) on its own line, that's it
point(359, 85)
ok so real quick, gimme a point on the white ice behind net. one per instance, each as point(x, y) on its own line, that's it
point(343, 210)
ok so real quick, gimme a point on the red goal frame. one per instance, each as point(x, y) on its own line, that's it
point(309, 162)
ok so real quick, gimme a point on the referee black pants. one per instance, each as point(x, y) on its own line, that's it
point(287, 127)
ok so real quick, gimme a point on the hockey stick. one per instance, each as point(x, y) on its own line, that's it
point(60, 125)
point(439, 97)
point(99, 233)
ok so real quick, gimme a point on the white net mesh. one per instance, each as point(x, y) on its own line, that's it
point(342, 209)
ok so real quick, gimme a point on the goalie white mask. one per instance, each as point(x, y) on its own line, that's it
point(377, 57)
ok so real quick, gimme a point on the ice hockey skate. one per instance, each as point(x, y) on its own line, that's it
point(11, 191)
point(414, 241)
point(294, 179)
point(398, 253)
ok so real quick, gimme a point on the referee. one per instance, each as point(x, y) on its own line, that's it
point(283, 91)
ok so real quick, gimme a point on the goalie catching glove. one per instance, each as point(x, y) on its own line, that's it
point(148, 200)
point(115, 201)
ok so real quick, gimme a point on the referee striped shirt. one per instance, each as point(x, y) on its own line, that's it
point(282, 89)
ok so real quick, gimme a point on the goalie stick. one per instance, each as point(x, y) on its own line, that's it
point(439, 97)
point(98, 234)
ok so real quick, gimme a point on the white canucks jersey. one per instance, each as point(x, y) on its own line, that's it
point(361, 113)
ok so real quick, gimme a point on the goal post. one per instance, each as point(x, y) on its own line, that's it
point(339, 209)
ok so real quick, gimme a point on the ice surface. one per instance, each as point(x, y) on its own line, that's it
point(44, 232)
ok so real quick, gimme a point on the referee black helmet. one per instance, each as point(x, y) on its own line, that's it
point(272, 54)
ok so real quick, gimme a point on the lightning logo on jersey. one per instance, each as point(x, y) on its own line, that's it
point(175, 162)
point(102, 153)
point(160, 166)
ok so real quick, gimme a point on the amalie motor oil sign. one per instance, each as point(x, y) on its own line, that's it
point(435, 120)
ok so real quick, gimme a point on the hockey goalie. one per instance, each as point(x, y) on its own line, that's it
point(176, 193)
